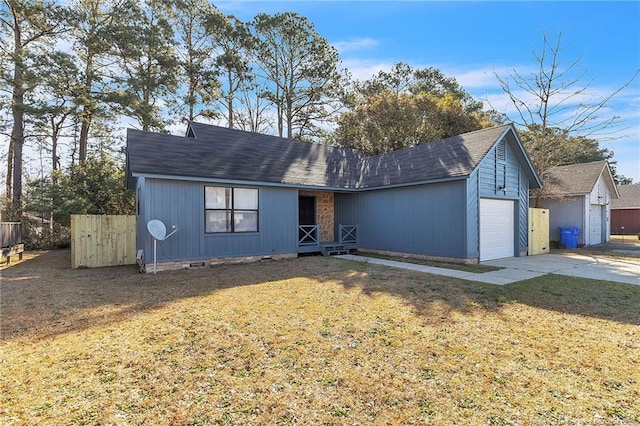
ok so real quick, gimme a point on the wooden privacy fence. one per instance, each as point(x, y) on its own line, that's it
point(102, 240)
point(538, 231)
point(10, 234)
point(11, 240)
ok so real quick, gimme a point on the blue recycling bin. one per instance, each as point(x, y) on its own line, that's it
point(569, 236)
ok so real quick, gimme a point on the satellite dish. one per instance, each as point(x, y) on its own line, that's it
point(159, 232)
point(157, 229)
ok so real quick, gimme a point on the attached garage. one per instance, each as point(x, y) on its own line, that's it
point(497, 234)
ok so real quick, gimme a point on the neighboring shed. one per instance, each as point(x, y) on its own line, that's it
point(625, 211)
point(232, 193)
point(579, 195)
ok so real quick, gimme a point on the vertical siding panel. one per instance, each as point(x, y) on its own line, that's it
point(517, 188)
point(473, 207)
point(565, 212)
point(523, 213)
point(424, 219)
point(182, 204)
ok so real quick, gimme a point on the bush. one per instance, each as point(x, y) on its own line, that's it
point(38, 235)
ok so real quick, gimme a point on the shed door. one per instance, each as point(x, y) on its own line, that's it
point(496, 229)
point(595, 224)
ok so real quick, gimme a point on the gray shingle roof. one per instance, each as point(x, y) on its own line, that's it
point(576, 179)
point(222, 153)
point(629, 197)
point(452, 157)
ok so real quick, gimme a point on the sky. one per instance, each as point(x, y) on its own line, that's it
point(473, 41)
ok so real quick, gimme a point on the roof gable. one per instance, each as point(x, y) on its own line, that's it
point(629, 197)
point(221, 153)
point(578, 179)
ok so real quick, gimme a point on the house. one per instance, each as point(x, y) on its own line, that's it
point(579, 195)
point(237, 194)
point(625, 211)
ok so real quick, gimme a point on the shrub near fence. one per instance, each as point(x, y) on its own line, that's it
point(102, 240)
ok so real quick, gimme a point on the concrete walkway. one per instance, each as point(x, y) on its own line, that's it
point(524, 268)
point(577, 265)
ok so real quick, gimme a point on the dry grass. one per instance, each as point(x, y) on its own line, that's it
point(27, 255)
point(312, 341)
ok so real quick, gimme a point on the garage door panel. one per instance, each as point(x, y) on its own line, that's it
point(496, 229)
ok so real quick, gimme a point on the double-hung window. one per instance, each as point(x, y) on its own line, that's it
point(230, 209)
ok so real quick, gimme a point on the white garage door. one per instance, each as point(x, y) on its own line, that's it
point(595, 224)
point(496, 229)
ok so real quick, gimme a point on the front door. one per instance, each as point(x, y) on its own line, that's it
point(306, 216)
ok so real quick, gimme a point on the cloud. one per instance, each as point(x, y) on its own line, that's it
point(364, 69)
point(355, 44)
point(482, 78)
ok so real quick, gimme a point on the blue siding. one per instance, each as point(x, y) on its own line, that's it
point(493, 174)
point(141, 206)
point(523, 214)
point(425, 219)
point(181, 204)
point(473, 216)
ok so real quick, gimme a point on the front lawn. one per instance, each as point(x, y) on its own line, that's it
point(313, 340)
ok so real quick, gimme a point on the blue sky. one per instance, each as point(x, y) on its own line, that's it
point(473, 40)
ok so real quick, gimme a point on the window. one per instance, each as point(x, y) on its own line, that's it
point(230, 209)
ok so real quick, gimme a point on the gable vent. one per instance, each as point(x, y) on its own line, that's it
point(500, 151)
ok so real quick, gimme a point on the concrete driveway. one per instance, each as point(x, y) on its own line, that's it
point(588, 265)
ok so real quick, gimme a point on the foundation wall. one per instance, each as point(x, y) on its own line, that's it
point(189, 264)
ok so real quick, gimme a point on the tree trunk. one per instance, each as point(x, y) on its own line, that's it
point(86, 115)
point(17, 131)
point(9, 183)
point(289, 115)
point(230, 99)
point(17, 139)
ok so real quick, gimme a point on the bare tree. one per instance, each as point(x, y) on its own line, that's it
point(557, 98)
point(253, 115)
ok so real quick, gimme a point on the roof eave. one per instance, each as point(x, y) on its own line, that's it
point(295, 185)
point(611, 183)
